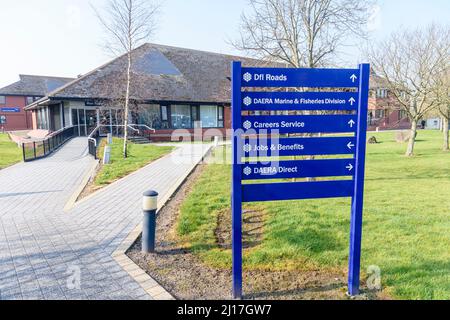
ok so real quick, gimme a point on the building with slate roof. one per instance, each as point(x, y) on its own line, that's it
point(172, 88)
point(14, 98)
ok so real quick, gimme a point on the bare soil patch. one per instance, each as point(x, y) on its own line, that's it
point(183, 274)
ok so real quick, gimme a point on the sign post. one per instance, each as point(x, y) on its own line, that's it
point(236, 191)
point(260, 133)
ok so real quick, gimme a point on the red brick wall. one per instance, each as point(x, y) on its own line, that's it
point(16, 120)
point(391, 119)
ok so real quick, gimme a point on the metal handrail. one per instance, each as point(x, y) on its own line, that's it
point(143, 125)
point(52, 134)
point(49, 144)
point(92, 141)
point(91, 135)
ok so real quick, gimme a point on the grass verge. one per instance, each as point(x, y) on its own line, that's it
point(9, 152)
point(405, 232)
point(139, 155)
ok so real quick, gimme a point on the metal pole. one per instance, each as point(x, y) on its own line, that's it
point(107, 155)
point(236, 191)
point(354, 263)
point(149, 206)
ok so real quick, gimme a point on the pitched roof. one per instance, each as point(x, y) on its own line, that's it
point(160, 73)
point(31, 85)
point(376, 81)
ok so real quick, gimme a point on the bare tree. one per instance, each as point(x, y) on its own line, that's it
point(442, 83)
point(129, 23)
point(410, 62)
point(443, 102)
point(301, 33)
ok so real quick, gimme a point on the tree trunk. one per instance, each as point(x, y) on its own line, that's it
point(126, 111)
point(412, 139)
point(445, 128)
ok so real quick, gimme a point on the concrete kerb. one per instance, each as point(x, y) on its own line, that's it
point(150, 285)
point(73, 198)
point(104, 189)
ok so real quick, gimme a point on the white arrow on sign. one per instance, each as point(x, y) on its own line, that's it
point(350, 145)
point(351, 123)
point(352, 101)
point(353, 77)
point(349, 167)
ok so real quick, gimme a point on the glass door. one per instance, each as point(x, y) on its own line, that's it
point(91, 121)
point(82, 122)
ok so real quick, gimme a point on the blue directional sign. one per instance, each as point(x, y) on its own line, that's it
point(297, 190)
point(10, 109)
point(299, 101)
point(298, 169)
point(259, 140)
point(295, 146)
point(300, 124)
point(284, 77)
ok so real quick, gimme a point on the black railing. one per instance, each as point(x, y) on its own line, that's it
point(92, 142)
point(117, 131)
point(39, 149)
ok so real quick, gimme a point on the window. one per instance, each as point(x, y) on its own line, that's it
point(2, 99)
point(220, 116)
point(30, 100)
point(150, 115)
point(208, 116)
point(379, 113)
point(74, 117)
point(381, 93)
point(164, 113)
point(82, 116)
point(180, 116)
point(402, 114)
point(42, 119)
point(195, 112)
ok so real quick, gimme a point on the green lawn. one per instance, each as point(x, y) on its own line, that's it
point(9, 152)
point(139, 155)
point(406, 228)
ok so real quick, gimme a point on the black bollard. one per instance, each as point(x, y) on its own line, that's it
point(149, 206)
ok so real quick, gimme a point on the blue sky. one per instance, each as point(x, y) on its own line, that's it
point(63, 37)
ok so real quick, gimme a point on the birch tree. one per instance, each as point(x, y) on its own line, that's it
point(129, 24)
point(410, 61)
point(301, 33)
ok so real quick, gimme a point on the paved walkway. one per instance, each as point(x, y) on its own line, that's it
point(48, 254)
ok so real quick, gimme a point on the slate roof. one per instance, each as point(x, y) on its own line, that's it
point(159, 73)
point(31, 85)
point(377, 82)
